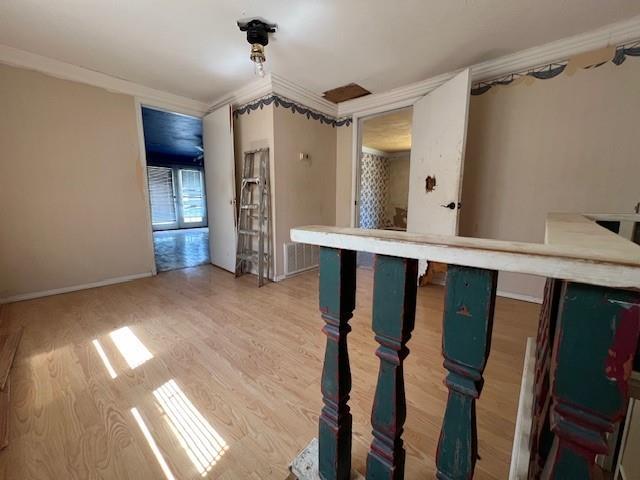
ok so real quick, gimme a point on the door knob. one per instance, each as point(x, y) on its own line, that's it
point(450, 205)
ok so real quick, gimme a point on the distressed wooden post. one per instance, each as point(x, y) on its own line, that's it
point(541, 436)
point(337, 301)
point(394, 309)
point(595, 344)
point(466, 340)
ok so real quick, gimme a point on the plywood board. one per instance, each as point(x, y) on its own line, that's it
point(8, 346)
point(4, 414)
point(346, 92)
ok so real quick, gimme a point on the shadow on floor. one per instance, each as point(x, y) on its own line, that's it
point(181, 248)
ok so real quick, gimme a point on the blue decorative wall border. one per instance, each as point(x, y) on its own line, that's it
point(295, 107)
point(554, 69)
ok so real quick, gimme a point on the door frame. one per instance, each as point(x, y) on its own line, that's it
point(141, 171)
point(356, 147)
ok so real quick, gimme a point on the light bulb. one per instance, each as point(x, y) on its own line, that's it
point(259, 69)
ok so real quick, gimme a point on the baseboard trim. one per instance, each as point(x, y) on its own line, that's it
point(74, 288)
point(285, 276)
point(519, 296)
point(500, 293)
point(520, 453)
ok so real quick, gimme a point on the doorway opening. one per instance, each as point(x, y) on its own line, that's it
point(383, 173)
point(177, 196)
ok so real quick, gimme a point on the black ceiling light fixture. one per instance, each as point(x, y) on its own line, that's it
point(258, 36)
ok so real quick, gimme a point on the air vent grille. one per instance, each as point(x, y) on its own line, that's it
point(299, 257)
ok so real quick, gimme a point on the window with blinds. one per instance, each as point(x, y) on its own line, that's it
point(162, 197)
point(192, 195)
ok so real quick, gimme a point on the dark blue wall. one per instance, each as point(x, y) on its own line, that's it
point(171, 139)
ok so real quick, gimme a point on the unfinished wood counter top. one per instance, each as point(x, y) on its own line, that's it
point(576, 249)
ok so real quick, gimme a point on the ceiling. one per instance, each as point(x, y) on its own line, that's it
point(390, 132)
point(171, 134)
point(194, 48)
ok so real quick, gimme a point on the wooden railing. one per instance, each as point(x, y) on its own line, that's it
point(587, 341)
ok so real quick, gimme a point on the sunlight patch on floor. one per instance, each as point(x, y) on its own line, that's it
point(105, 359)
point(152, 444)
point(130, 346)
point(203, 444)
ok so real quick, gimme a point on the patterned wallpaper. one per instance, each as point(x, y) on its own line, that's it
point(374, 190)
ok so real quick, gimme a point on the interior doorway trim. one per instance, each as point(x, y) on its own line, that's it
point(141, 174)
point(356, 147)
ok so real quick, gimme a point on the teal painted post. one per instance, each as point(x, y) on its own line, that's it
point(595, 344)
point(337, 301)
point(394, 309)
point(466, 341)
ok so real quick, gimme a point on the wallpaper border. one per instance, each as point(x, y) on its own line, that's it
point(552, 70)
point(295, 107)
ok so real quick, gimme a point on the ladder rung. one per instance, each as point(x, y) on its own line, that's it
point(249, 206)
point(252, 257)
point(251, 179)
point(249, 232)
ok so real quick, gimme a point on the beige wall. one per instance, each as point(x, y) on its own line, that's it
point(72, 205)
point(251, 132)
point(398, 184)
point(344, 175)
point(564, 144)
point(305, 189)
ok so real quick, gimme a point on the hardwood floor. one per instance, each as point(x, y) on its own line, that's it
point(195, 374)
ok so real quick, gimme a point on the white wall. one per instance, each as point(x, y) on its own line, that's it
point(565, 144)
point(72, 201)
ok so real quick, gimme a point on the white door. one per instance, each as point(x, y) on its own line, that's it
point(439, 132)
point(219, 173)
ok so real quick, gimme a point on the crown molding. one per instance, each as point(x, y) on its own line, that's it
point(274, 83)
point(66, 71)
point(613, 34)
point(256, 89)
point(286, 88)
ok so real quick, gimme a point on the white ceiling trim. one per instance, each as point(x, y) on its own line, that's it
point(251, 91)
point(614, 34)
point(285, 88)
point(274, 83)
point(66, 71)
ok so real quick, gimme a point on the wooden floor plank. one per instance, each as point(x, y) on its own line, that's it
point(247, 360)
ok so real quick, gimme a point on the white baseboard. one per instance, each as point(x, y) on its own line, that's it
point(521, 453)
point(500, 293)
point(284, 276)
point(74, 288)
point(519, 296)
